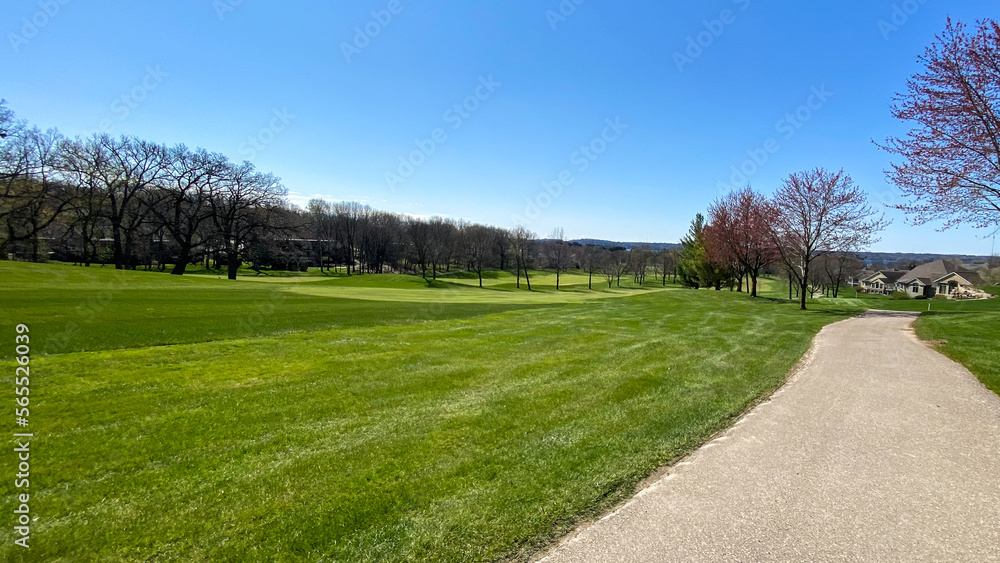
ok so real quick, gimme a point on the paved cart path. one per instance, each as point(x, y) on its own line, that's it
point(879, 449)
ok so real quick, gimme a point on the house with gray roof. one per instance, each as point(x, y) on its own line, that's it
point(922, 280)
point(882, 282)
point(949, 278)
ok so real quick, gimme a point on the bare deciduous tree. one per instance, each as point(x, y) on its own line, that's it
point(522, 242)
point(33, 193)
point(185, 203)
point(589, 257)
point(419, 233)
point(242, 207)
point(558, 254)
point(479, 244)
point(818, 213)
point(129, 169)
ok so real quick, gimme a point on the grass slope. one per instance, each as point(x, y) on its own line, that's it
point(479, 434)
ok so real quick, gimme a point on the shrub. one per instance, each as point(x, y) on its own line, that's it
point(899, 296)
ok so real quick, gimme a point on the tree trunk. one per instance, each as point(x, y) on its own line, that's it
point(117, 254)
point(234, 265)
point(34, 247)
point(804, 290)
point(85, 242)
point(183, 258)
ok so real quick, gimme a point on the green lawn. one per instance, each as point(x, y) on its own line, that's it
point(201, 419)
point(78, 309)
point(968, 334)
point(473, 428)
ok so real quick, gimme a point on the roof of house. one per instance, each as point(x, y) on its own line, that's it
point(893, 275)
point(932, 271)
point(971, 277)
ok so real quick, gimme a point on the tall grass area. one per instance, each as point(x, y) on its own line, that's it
point(474, 428)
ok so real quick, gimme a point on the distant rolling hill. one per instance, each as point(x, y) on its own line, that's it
point(918, 257)
point(869, 257)
point(611, 243)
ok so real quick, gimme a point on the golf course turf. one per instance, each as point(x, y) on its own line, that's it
point(193, 418)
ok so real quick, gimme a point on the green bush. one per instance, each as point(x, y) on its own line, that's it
point(899, 296)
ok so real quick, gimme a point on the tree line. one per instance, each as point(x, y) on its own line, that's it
point(811, 229)
point(129, 202)
point(132, 203)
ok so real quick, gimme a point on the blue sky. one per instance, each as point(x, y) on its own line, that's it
point(332, 97)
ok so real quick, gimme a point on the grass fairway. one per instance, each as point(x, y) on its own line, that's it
point(365, 430)
point(79, 309)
